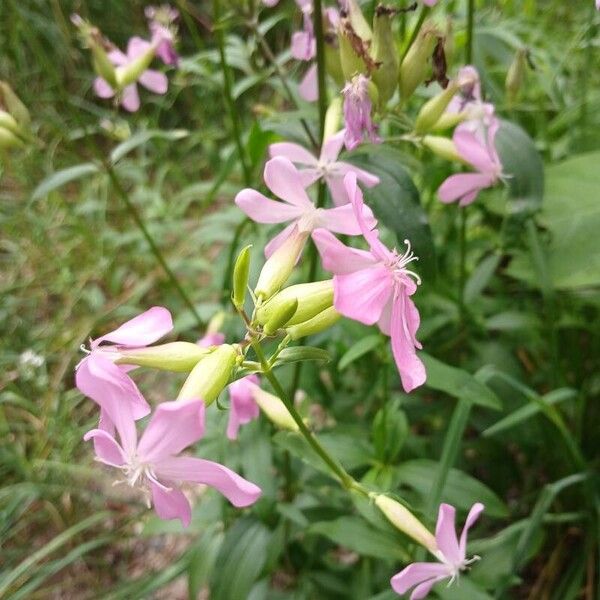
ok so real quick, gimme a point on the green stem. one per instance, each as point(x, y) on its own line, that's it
point(227, 85)
point(415, 32)
point(346, 480)
point(320, 39)
point(150, 240)
point(469, 41)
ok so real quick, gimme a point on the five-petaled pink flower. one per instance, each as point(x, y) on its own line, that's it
point(452, 554)
point(326, 166)
point(153, 464)
point(376, 286)
point(284, 180)
point(357, 113)
point(476, 148)
point(243, 407)
point(155, 81)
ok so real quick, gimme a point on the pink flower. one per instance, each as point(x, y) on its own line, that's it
point(161, 23)
point(375, 286)
point(326, 166)
point(304, 44)
point(243, 407)
point(476, 148)
point(451, 554)
point(213, 338)
point(357, 113)
point(153, 464)
point(284, 180)
point(155, 81)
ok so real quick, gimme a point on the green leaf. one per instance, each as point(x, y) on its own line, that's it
point(458, 383)
point(354, 533)
point(141, 137)
point(461, 490)
point(301, 353)
point(480, 277)
point(523, 167)
point(360, 348)
point(60, 178)
point(395, 201)
point(241, 560)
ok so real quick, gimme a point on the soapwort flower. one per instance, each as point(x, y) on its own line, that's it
point(357, 113)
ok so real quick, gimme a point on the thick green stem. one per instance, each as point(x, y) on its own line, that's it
point(320, 38)
point(227, 89)
point(469, 40)
point(151, 243)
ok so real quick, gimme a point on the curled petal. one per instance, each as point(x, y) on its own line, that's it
point(106, 447)
point(473, 515)
point(171, 503)
point(418, 573)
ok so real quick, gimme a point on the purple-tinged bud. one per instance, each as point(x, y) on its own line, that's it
point(162, 24)
point(359, 95)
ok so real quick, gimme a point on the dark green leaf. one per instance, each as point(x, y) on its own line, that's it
point(358, 349)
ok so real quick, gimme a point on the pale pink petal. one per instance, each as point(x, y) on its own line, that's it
point(142, 330)
point(294, 152)
point(424, 588)
point(171, 503)
point(309, 88)
point(131, 98)
point(243, 408)
point(472, 150)
point(464, 186)
point(155, 81)
point(309, 176)
point(362, 295)
point(262, 210)
point(172, 427)
point(117, 57)
point(343, 219)
point(445, 534)
point(473, 515)
point(211, 339)
point(411, 369)
point(236, 489)
point(283, 179)
point(385, 321)
point(303, 45)
point(415, 574)
point(136, 47)
point(279, 239)
point(106, 447)
point(339, 258)
point(363, 176)
point(102, 88)
point(336, 186)
point(332, 146)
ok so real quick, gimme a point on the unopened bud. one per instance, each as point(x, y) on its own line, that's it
point(9, 140)
point(280, 264)
point(415, 66)
point(516, 74)
point(333, 61)
point(180, 357)
point(358, 21)
point(312, 298)
point(351, 52)
point(210, 375)
point(8, 122)
point(385, 54)
point(240, 277)
point(442, 146)
point(333, 117)
point(274, 409)
point(434, 108)
point(318, 323)
point(132, 71)
point(13, 105)
point(401, 518)
point(281, 316)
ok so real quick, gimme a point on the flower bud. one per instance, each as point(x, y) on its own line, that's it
point(274, 409)
point(358, 21)
point(351, 50)
point(8, 122)
point(281, 316)
point(312, 298)
point(132, 71)
point(385, 54)
point(333, 62)
point(333, 117)
point(450, 119)
point(9, 140)
point(180, 357)
point(434, 108)
point(516, 74)
point(280, 264)
point(442, 146)
point(318, 323)
point(414, 67)
point(210, 375)
point(401, 518)
point(240, 277)
point(13, 105)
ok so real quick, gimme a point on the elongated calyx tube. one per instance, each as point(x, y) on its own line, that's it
point(274, 409)
point(401, 518)
point(240, 277)
point(180, 357)
point(132, 71)
point(434, 108)
point(208, 378)
point(442, 146)
point(312, 298)
point(416, 63)
point(281, 316)
point(385, 54)
point(316, 324)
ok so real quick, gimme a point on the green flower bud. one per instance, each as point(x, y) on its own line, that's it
point(274, 409)
point(448, 120)
point(516, 74)
point(278, 268)
point(180, 357)
point(358, 21)
point(131, 72)
point(442, 146)
point(415, 66)
point(385, 54)
point(434, 108)
point(210, 375)
point(240, 277)
point(351, 52)
point(318, 323)
point(399, 516)
point(280, 316)
point(9, 140)
point(312, 298)
point(10, 101)
point(8, 122)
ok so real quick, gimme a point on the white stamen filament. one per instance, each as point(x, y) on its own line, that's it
point(399, 262)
